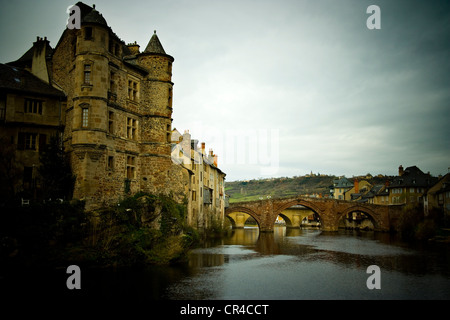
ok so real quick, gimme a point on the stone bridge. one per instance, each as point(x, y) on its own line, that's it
point(330, 212)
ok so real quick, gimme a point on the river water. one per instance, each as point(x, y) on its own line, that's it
point(311, 264)
point(288, 264)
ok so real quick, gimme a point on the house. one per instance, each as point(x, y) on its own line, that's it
point(207, 199)
point(359, 189)
point(437, 198)
point(378, 195)
point(31, 112)
point(339, 187)
point(409, 186)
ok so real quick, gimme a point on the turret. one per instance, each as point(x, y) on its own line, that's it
point(157, 91)
point(156, 111)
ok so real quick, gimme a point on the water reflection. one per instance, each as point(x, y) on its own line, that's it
point(311, 264)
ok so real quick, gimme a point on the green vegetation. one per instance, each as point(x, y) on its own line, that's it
point(54, 230)
point(250, 190)
point(143, 229)
point(279, 187)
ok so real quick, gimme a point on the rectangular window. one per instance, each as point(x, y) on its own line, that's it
point(411, 190)
point(84, 117)
point(132, 90)
point(33, 106)
point(131, 128)
point(88, 33)
point(110, 163)
point(112, 84)
point(87, 74)
point(111, 122)
point(168, 134)
point(27, 141)
point(131, 167)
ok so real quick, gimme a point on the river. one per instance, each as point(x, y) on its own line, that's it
point(311, 264)
point(288, 264)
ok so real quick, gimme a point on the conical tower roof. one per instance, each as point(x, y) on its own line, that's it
point(154, 45)
point(94, 17)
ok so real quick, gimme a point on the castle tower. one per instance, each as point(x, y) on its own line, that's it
point(89, 99)
point(156, 110)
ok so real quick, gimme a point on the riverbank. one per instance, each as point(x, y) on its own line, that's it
point(143, 229)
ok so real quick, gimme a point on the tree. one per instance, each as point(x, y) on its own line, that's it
point(57, 178)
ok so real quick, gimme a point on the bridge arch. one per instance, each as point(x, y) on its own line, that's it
point(286, 220)
point(359, 208)
point(299, 201)
point(248, 211)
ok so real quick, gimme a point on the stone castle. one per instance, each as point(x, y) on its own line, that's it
point(112, 104)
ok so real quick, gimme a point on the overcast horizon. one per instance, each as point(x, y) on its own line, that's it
point(283, 88)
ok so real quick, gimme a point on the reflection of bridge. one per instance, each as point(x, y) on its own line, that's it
point(330, 212)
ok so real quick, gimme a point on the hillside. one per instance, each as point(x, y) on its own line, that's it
point(284, 187)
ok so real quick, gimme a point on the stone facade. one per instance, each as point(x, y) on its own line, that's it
point(119, 113)
point(207, 199)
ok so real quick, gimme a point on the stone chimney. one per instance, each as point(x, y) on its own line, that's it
point(134, 48)
point(39, 62)
point(186, 143)
point(356, 185)
point(194, 143)
point(203, 148)
point(400, 170)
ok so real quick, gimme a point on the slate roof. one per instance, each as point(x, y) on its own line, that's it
point(154, 45)
point(19, 80)
point(25, 60)
point(342, 183)
point(413, 177)
point(92, 17)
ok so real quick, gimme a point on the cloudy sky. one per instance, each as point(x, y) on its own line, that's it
point(286, 87)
